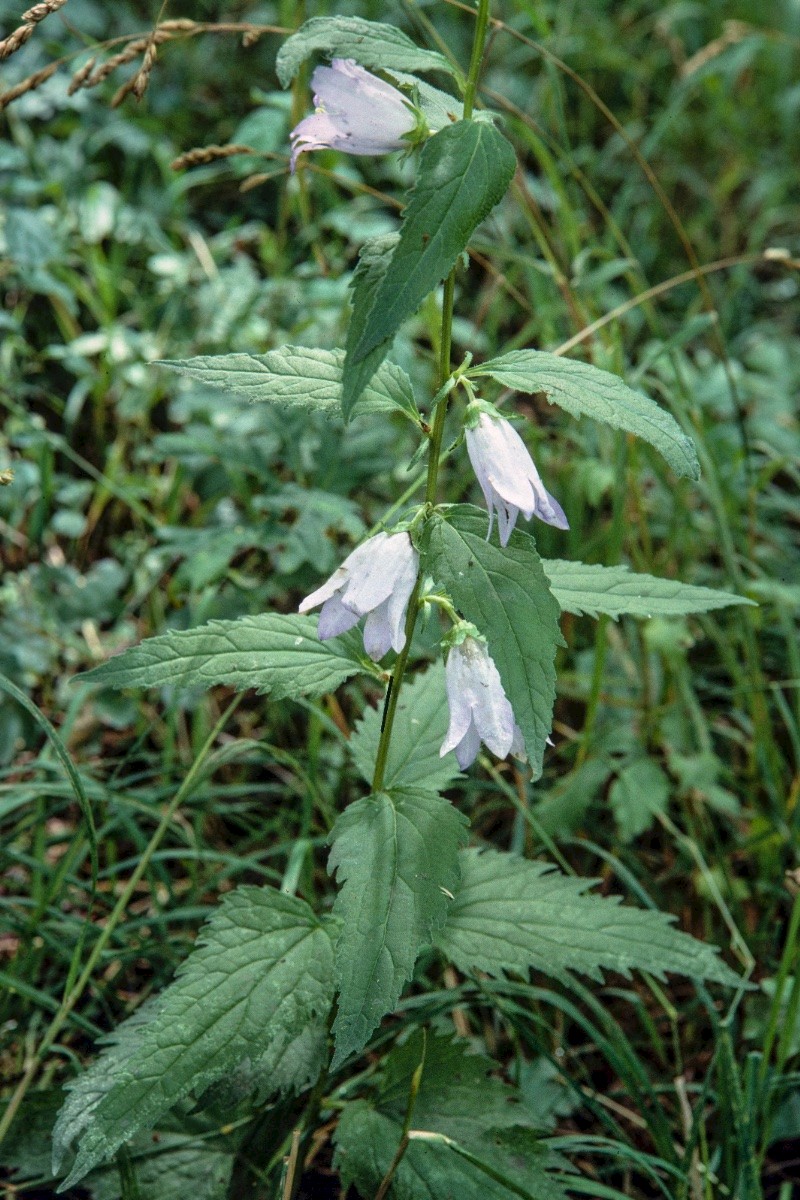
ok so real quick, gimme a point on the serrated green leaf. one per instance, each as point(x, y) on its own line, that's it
point(458, 1094)
point(420, 726)
point(582, 389)
point(506, 595)
point(470, 1131)
point(261, 973)
point(171, 1168)
point(438, 107)
point(373, 262)
point(278, 653)
point(187, 1156)
point(396, 856)
point(368, 42)
point(512, 915)
point(637, 795)
point(300, 377)
point(26, 1148)
point(464, 172)
point(583, 588)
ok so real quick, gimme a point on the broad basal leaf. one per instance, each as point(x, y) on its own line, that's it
point(510, 915)
point(278, 653)
point(262, 972)
point(580, 588)
point(300, 377)
point(506, 595)
point(368, 42)
point(420, 725)
point(472, 1138)
point(396, 856)
point(585, 390)
point(464, 171)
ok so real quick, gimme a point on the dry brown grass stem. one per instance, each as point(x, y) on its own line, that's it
point(14, 40)
point(131, 51)
point(90, 76)
point(81, 75)
point(27, 85)
point(142, 77)
point(40, 11)
point(207, 154)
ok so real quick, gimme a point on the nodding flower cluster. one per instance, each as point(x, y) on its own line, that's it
point(361, 114)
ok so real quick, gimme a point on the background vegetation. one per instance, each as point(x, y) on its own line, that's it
point(654, 229)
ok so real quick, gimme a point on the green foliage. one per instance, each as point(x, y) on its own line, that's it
point(174, 1166)
point(592, 589)
point(464, 171)
point(582, 389)
point(140, 502)
point(276, 653)
point(395, 855)
point(513, 915)
point(299, 377)
point(368, 42)
point(185, 1154)
point(471, 1135)
point(419, 729)
point(373, 262)
point(638, 794)
point(505, 594)
point(262, 972)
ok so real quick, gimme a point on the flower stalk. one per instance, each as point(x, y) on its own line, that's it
point(437, 434)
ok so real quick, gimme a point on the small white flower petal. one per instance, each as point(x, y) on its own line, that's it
point(398, 601)
point(356, 112)
point(467, 749)
point(479, 708)
point(370, 576)
point(378, 634)
point(493, 715)
point(506, 519)
point(323, 593)
point(508, 477)
point(335, 619)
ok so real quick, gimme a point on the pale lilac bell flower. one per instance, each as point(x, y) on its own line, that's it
point(355, 111)
point(508, 476)
point(480, 711)
point(375, 581)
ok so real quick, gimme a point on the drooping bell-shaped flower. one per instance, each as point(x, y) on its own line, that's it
point(375, 581)
point(355, 111)
point(479, 708)
point(507, 474)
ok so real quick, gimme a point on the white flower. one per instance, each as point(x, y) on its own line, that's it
point(508, 476)
point(479, 708)
point(355, 112)
point(377, 578)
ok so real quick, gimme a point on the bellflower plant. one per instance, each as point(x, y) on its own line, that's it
point(375, 581)
point(479, 708)
point(507, 474)
point(355, 111)
point(277, 980)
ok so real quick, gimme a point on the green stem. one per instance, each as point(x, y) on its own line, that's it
point(478, 43)
point(437, 434)
point(390, 705)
